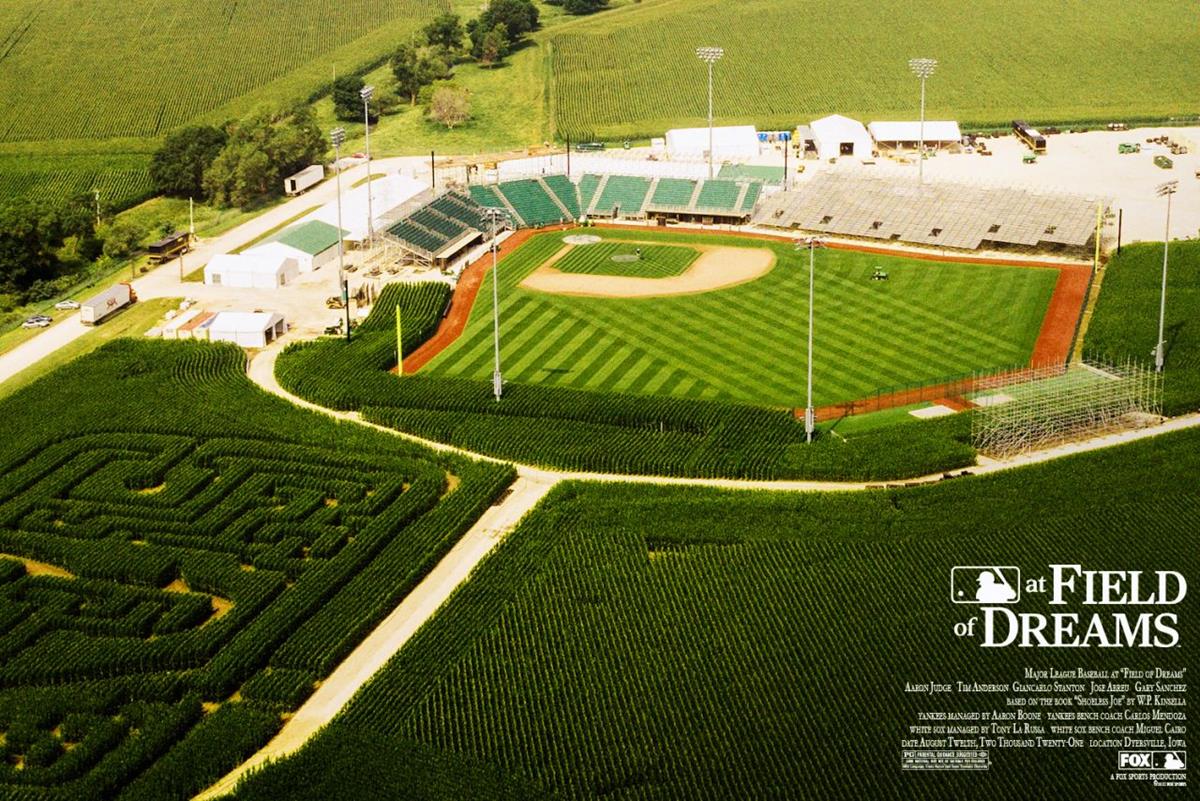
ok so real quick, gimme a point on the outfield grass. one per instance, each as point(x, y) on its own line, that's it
point(634, 73)
point(746, 343)
point(667, 643)
point(607, 258)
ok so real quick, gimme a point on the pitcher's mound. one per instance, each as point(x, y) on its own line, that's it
point(581, 239)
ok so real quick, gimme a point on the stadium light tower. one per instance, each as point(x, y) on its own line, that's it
point(497, 217)
point(337, 136)
point(1164, 190)
point(922, 68)
point(710, 56)
point(365, 93)
point(812, 243)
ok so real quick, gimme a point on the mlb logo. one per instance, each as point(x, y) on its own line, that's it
point(1170, 760)
point(985, 584)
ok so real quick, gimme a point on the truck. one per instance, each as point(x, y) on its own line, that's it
point(116, 297)
point(308, 177)
point(169, 247)
point(1030, 136)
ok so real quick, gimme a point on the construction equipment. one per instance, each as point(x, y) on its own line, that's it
point(1164, 162)
point(1029, 158)
point(1129, 147)
point(334, 302)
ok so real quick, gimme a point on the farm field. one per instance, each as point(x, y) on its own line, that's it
point(746, 343)
point(635, 74)
point(121, 180)
point(667, 643)
point(183, 556)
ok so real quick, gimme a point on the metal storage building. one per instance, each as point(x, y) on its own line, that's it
point(313, 244)
point(247, 329)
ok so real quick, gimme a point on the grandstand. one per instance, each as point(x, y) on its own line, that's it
point(946, 215)
point(620, 196)
point(435, 232)
point(532, 202)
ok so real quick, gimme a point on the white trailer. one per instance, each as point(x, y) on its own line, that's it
point(308, 177)
point(111, 300)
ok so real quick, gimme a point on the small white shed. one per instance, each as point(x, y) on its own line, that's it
point(836, 137)
point(728, 142)
point(251, 270)
point(247, 329)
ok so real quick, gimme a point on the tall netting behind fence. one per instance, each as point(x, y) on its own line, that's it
point(1029, 409)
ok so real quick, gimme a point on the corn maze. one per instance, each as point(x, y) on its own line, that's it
point(172, 582)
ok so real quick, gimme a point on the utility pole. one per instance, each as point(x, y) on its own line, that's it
point(366, 93)
point(1160, 357)
point(191, 220)
point(922, 68)
point(710, 56)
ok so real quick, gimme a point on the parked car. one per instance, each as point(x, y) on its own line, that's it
point(67, 305)
point(37, 322)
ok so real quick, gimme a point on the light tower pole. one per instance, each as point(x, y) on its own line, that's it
point(922, 68)
point(1164, 190)
point(812, 243)
point(496, 217)
point(337, 136)
point(710, 56)
point(366, 93)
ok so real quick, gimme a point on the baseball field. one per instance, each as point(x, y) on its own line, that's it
point(718, 317)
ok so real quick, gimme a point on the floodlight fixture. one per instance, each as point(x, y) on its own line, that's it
point(710, 56)
point(922, 68)
point(497, 218)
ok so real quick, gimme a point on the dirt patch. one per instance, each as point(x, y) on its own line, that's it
point(220, 606)
point(35, 568)
point(452, 483)
point(717, 267)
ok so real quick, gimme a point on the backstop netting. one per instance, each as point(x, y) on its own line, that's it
point(1038, 407)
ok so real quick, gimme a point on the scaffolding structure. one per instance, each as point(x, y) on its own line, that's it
point(1037, 407)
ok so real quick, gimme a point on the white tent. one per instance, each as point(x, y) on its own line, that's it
point(247, 329)
point(728, 142)
point(386, 194)
point(837, 136)
point(907, 134)
point(251, 270)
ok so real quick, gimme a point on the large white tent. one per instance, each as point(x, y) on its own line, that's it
point(938, 133)
point(728, 142)
point(386, 194)
point(837, 136)
point(247, 329)
point(251, 270)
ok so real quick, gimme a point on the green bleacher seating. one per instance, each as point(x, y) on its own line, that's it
point(427, 218)
point(459, 207)
point(719, 195)
point(529, 198)
point(752, 193)
point(565, 191)
point(623, 193)
point(587, 190)
point(486, 196)
point(673, 192)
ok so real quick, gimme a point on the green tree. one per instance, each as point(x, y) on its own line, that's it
point(415, 67)
point(494, 46)
point(121, 238)
point(347, 102)
point(262, 150)
point(25, 254)
point(519, 17)
point(445, 33)
point(177, 168)
point(580, 7)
